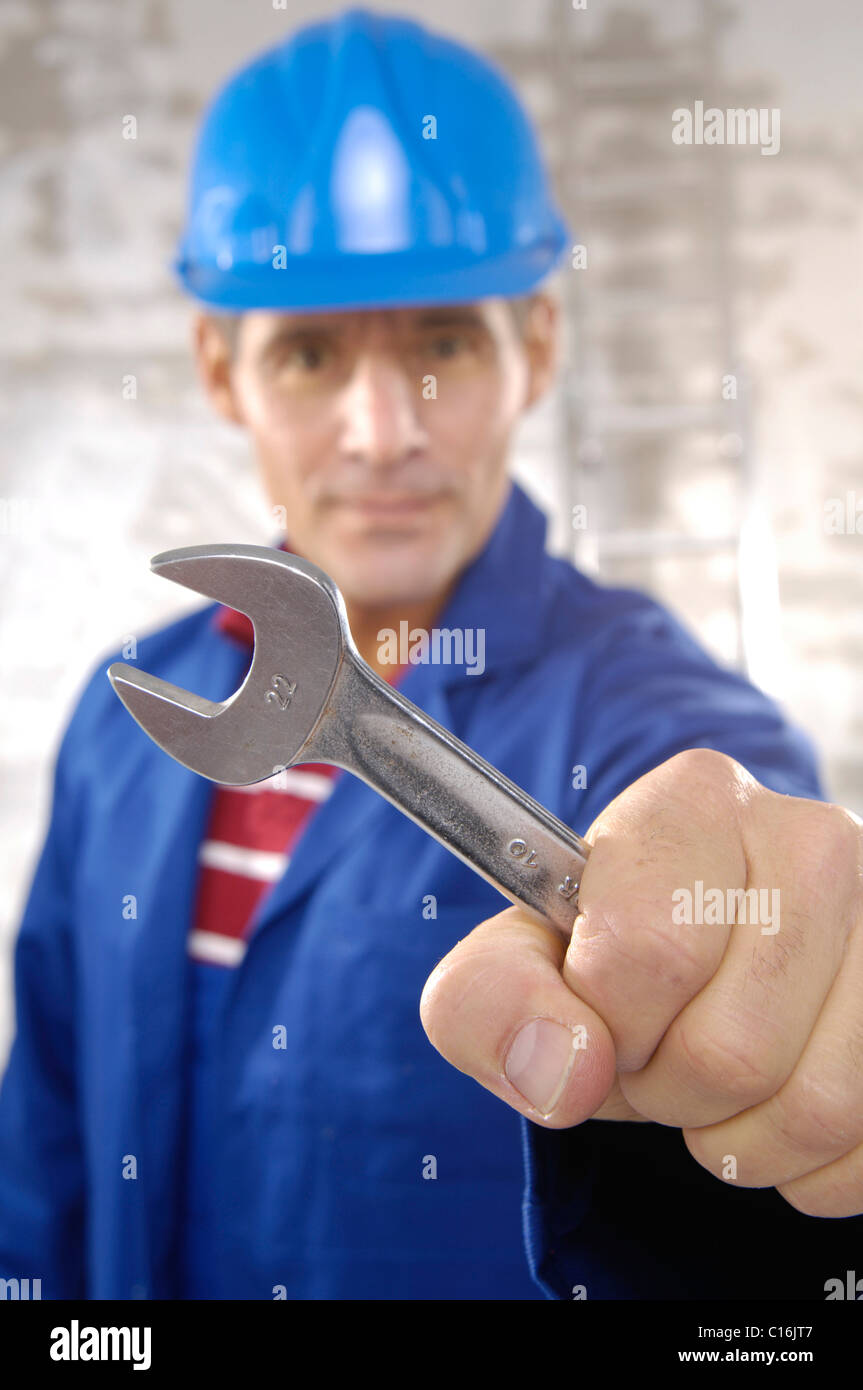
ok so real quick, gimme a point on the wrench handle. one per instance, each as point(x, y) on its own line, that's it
point(500, 831)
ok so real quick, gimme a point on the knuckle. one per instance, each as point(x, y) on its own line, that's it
point(803, 1199)
point(702, 760)
point(722, 1062)
point(825, 1193)
point(847, 836)
point(430, 1004)
point(835, 842)
point(443, 998)
point(461, 998)
point(773, 963)
point(655, 949)
point(820, 1114)
point(699, 767)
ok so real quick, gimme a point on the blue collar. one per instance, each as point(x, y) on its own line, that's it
point(497, 591)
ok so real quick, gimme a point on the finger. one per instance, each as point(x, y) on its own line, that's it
point(497, 1008)
point(817, 1116)
point(739, 1041)
point(628, 958)
point(835, 1190)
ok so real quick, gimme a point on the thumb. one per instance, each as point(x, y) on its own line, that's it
point(498, 1009)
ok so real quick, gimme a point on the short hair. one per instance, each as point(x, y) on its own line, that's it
point(229, 327)
point(520, 306)
point(229, 324)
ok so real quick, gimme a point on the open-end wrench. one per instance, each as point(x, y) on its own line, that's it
point(309, 697)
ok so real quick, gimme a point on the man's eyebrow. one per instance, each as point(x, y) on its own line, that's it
point(299, 328)
point(432, 318)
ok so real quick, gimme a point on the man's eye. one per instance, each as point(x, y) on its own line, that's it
point(308, 356)
point(450, 345)
point(302, 357)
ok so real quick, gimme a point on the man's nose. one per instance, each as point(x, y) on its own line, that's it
point(381, 420)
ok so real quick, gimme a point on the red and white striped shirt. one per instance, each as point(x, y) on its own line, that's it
point(251, 834)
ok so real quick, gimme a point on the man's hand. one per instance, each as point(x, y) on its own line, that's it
point(671, 1003)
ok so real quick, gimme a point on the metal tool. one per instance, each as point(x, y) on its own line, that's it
point(309, 697)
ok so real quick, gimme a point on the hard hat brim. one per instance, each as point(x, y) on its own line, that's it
point(368, 281)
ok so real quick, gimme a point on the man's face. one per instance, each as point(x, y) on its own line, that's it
point(383, 434)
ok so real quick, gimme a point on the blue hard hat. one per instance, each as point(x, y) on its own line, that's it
point(366, 162)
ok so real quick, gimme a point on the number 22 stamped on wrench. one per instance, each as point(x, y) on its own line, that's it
point(308, 697)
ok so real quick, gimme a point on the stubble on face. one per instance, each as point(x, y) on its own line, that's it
point(391, 491)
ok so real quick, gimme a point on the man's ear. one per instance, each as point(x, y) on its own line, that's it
point(213, 360)
point(541, 344)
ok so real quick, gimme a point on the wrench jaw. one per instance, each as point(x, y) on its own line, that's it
point(175, 719)
point(300, 636)
point(240, 576)
point(254, 579)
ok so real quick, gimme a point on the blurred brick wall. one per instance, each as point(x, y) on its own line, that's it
point(92, 484)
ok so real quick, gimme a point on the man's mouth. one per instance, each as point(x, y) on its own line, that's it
point(390, 504)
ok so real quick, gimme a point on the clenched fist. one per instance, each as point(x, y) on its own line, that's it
point(713, 981)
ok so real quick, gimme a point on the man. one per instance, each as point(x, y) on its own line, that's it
point(220, 1085)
